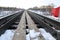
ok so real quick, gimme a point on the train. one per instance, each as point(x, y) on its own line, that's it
point(55, 12)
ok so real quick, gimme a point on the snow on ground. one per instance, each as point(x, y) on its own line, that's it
point(27, 37)
point(4, 13)
point(32, 35)
point(46, 35)
point(7, 13)
point(8, 35)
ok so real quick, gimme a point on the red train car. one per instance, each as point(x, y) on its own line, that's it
point(55, 11)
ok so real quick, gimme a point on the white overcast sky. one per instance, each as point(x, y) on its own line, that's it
point(27, 3)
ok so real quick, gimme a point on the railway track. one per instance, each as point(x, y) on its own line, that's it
point(10, 21)
point(49, 25)
point(26, 24)
point(29, 20)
